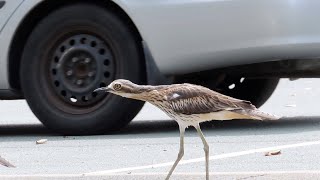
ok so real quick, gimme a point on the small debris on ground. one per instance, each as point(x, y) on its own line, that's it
point(273, 153)
point(41, 141)
point(291, 105)
point(6, 163)
point(164, 150)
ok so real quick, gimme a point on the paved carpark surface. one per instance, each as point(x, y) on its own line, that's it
point(147, 148)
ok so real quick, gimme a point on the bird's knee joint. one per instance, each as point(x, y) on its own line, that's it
point(206, 149)
point(181, 153)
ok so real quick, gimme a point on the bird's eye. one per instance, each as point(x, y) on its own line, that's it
point(117, 87)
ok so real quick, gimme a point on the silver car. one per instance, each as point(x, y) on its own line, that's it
point(55, 53)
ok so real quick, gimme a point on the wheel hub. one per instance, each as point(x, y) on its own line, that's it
point(81, 64)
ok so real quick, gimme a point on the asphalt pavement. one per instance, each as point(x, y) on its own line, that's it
point(147, 147)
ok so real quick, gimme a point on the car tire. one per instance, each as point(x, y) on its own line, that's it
point(257, 91)
point(72, 51)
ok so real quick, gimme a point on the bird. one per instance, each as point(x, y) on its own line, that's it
point(189, 105)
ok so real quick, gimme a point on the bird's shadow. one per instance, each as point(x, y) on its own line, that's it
point(155, 127)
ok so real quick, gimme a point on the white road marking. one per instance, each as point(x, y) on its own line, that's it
point(220, 156)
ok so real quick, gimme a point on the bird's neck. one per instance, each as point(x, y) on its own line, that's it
point(146, 92)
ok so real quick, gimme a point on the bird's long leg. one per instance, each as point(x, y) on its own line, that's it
point(181, 151)
point(205, 148)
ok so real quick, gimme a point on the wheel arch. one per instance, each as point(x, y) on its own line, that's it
point(40, 11)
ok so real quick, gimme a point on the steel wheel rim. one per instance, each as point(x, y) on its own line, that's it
point(80, 64)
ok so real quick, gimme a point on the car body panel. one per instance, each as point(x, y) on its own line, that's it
point(7, 29)
point(193, 35)
point(186, 36)
point(6, 10)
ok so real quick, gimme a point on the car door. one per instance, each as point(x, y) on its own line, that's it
point(189, 35)
point(192, 35)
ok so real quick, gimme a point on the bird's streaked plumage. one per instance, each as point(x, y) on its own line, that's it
point(189, 105)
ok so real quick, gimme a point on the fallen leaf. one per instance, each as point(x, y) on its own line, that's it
point(41, 141)
point(6, 163)
point(273, 153)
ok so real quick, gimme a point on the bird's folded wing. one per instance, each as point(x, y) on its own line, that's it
point(190, 99)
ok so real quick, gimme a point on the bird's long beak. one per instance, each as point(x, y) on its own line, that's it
point(106, 89)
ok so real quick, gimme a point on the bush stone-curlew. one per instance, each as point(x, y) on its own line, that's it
point(188, 105)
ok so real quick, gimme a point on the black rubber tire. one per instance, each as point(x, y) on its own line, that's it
point(257, 91)
point(111, 113)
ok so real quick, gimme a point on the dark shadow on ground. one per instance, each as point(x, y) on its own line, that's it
point(284, 125)
point(24, 129)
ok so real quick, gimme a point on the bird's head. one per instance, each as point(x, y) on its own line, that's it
point(124, 88)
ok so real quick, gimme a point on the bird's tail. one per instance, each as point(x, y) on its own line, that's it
point(259, 115)
point(262, 115)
